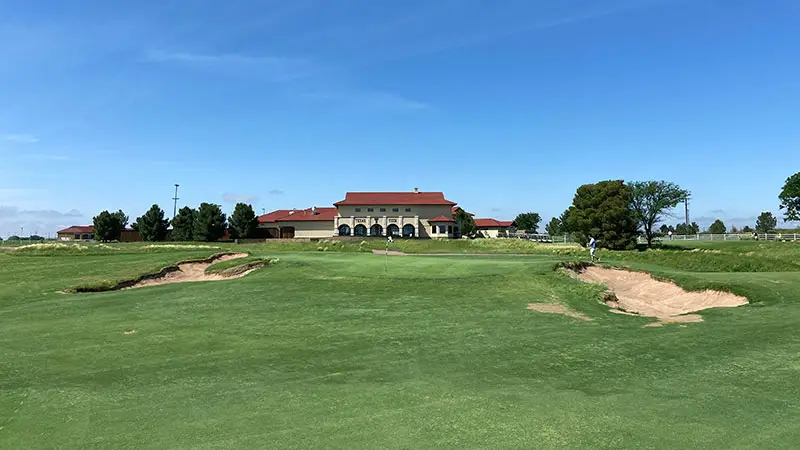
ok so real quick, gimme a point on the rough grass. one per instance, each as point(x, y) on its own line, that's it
point(240, 264)
point(330, 350)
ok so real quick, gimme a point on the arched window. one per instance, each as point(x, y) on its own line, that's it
point(392, 230)
point(408, 230)
point(376, 230)
point(360, 230)
point(344, 230)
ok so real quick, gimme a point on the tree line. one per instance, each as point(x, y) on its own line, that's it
point(206, 223)
point(617, 213)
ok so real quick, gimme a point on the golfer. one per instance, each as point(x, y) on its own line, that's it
point(592, 246)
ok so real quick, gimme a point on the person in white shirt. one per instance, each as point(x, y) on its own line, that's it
point(592, 246)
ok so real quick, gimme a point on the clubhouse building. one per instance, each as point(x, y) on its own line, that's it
point(363, 214)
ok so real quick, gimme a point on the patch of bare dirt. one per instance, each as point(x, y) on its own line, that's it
point(390, 253)
point(640, 294)
point(557, 308)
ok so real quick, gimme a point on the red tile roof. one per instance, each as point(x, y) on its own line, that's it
point(441, 219)
point(394, 198)
point(305, 215)
point(492, 223)
point(77, 229)
point(273, 216)
point(84, 229)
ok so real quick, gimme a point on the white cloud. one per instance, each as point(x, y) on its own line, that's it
point(21, 138)
point(271, 68)
point(276, 192)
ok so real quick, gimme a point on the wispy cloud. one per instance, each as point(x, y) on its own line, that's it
point(45, 157)
point(506, 26)
point(374, 100)
point(238, 198)
point(21, 138)
point(276, 192)
point(719, 212)
point(494, 210)
point(270, 68)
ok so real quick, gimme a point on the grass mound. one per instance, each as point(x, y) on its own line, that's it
point(239, 265)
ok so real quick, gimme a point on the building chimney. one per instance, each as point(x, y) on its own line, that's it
point(291, 212)
point(416, 190)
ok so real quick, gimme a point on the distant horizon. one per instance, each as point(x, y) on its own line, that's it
point(34, 227)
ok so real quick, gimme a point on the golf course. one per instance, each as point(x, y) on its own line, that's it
point(443, 344)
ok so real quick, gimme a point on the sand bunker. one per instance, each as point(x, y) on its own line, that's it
point(639, 293)
point(190, 271)
point(557, 308)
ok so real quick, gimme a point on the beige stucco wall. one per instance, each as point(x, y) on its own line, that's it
point(491, 232)
point(311, 229)
point(417, 217)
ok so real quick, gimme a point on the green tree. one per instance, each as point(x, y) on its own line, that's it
point(790, 198)
point(603, 210)
point(555, 227)
point(747, 229)
point(14, 237)
point(528, 221)
point(766, 222)
point(108, 226)
point(652, 201)
point(734, 229)
point(123, 218)
point(209, 223)
point(183, 225)
point(243, 222)
point(466, 221)
point(718, 227)
point(152, 226)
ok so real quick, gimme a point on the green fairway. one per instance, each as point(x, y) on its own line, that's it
point(327, 349)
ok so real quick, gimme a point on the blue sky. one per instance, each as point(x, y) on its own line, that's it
point(505, 105)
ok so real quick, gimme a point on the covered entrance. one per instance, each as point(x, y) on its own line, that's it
point(393, 230)
point(376, 230)
point(360, 230)
point(287, 232)
point(408, 231)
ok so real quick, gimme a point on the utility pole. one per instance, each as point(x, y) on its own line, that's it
point(175, 204)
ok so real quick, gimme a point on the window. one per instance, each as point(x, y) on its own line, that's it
point(442, 229)
point(358, 209)
point(433, 229)
point(408, 209)
point(383, 209)
point(395, 209)
point(449, 229)
point(370, 209)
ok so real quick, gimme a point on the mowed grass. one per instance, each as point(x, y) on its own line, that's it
point(327, 349)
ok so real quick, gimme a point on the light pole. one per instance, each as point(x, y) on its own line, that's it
point(175, 204)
